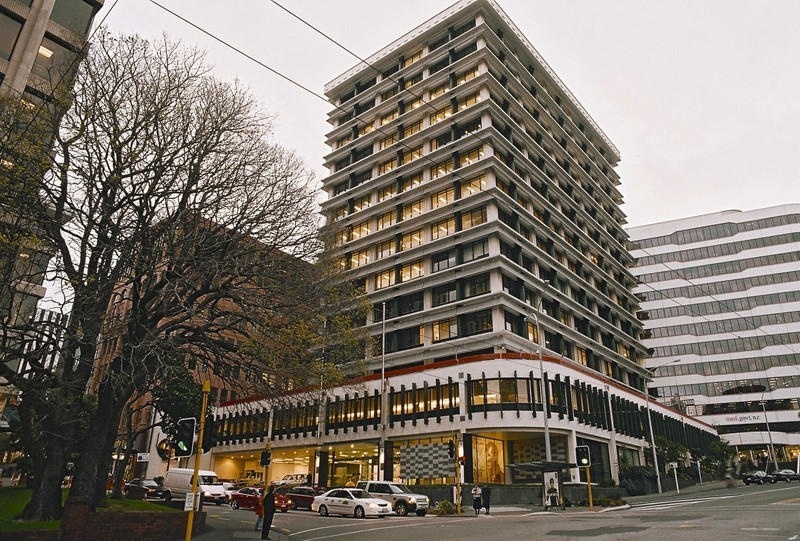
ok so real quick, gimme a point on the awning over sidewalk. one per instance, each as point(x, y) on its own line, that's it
point(544, 466)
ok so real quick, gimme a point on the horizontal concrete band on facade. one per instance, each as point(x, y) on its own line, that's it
point(480, 401)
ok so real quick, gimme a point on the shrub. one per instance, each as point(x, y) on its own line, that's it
point(444, 507)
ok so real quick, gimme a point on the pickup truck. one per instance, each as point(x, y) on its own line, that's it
point(399, 496)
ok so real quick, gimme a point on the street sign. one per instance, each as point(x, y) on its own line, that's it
point(142, 457)
point(673, 465)
point(191, 501)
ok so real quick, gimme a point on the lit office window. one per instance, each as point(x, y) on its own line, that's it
point(385, 249)
point(443, 228)
point(412, 240)
point(360, 230)
point(359, 258)
point(445, 329)
point(441, 169)
point(384, 279)
point(386, 220)
point(473, 218)
point(442, 198)
point(410, 210)
point(412, 270)
point(411, 59)
point(473, 186)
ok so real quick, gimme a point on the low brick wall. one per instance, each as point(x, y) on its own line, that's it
point(31, 535)
point(80, 524)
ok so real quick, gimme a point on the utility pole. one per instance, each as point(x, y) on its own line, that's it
point(457, 461)
point(195, 495)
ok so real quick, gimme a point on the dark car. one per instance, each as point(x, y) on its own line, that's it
point(758, 477)
point(302, 497)
point(146, 489)
point(786, 475)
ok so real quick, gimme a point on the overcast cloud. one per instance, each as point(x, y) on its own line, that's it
point(700, 97)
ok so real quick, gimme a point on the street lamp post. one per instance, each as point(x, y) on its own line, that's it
point(384, 405)
point(652, 437)
point(545, 406)
point(769, 433)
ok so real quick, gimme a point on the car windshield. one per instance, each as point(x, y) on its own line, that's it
point(148, 483)
point(210, 480)
point(358, 493)
point(400, 489)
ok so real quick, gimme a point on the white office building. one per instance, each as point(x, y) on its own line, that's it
point(475, 202)
point(721, 294)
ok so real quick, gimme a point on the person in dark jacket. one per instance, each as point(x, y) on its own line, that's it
point(476, 499)
point(269, 512)
point(486, 494)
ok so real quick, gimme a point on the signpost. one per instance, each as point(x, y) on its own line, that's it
point(674, 467)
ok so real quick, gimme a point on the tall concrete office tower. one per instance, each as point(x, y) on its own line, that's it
point(722, 297)
point(475, 201)
point(41, 42)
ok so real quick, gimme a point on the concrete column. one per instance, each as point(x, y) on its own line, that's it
point(27, 47)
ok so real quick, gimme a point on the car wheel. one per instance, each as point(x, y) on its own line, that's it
point(421, 513)
point(401, 509)
point(168, 497)
point(760, 481)
point(284, 510)
point(217, 502)
point(234, 504)
point(358, 512)
point(323, 511)
point(747, 482)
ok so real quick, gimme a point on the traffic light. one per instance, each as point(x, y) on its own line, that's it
point(451, 449)
point(266, 458)
point(184, 436)
point(209, 434)
point(582, 456)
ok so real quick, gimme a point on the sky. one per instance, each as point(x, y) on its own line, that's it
point(701, 97)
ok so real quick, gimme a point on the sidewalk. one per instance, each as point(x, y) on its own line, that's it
point(630, 500)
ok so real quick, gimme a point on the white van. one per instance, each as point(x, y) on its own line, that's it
point(178, 482)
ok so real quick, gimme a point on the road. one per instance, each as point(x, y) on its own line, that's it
point(758, 513)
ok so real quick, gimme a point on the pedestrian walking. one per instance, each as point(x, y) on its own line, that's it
point(269, 512)
point(259, 512)
point(486, 494)
point(477, 503)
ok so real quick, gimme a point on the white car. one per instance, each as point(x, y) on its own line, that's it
point(352, 502)
point(291, 479)
point(229, 488)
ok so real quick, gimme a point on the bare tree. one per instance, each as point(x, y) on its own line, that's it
point(180, 231)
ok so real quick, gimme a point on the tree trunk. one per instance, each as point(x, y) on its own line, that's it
point(45, 502)
point(89, 483)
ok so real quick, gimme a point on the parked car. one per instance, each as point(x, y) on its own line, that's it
point(292, 479)
point(250, 497)
point(146, 489)
point(302, 497)
point(786, 475)
point(351, 502)
point(245, 498)
point(402, 499)
point(758, 477)
point(229, 488)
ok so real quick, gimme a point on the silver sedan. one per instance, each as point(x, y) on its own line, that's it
point(351, 502)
